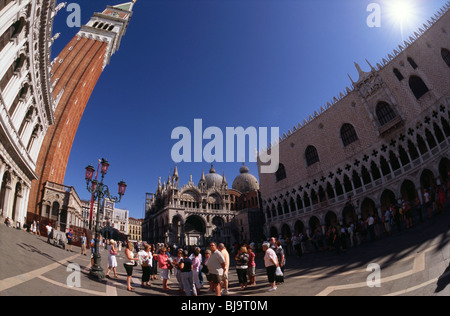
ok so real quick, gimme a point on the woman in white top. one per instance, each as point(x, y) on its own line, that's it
point(131, 261)
point(146, 259)
point(112, 260)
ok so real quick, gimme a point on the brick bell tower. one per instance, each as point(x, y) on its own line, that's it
point(74, 75)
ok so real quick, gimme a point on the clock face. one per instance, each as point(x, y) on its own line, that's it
point(109, 205)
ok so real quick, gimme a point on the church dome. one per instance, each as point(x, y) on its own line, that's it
point(245, 182)
point(213, 179)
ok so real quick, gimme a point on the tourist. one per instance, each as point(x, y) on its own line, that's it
point(69, 236)
point(387, 221)
point(112, 260)
point(34, 228)
point(296, 245)
point(129, 264)
point(251, 270)
point(371, 227)
point(205, 269)
point(92, 251)
point(226, 255)
point(185, 266)
point(351, 234)
point(163, 265)
point(418, 207)
point(242, 259)
point(271, 264)
point(146, 264)
point(176, 263)
point(427, 202)
point(49, 229)
point(407, 210)
point(83, 241)
point(281, 257)
point(196, 264)
point(154, 269)
point(217, 267)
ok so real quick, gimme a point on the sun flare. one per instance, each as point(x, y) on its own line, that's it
point(401, 10)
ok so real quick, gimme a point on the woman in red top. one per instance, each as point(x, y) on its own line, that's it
point(163, 265)
point(251, 270)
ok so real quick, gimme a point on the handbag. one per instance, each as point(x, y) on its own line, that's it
point(278, 272)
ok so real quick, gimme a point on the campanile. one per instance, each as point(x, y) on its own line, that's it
point(74, 75)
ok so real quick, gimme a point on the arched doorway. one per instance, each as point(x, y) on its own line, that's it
point(427, 179)
point(349, 214)
point(299, 227)
point(17, 200)
point(55, 211)
point(408, 191)
point(195, 230)
point(4, 193)
point(444, 169)
point(331, 219)
point(63, 219)
point(286, 231)
point(177, 230)
point(273, 232)
point(314, 223)
point(368, 208)
point(218, 231)
point(387, 199)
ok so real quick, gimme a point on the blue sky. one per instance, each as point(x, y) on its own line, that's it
point(261, 63)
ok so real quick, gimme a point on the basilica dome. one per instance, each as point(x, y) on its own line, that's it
point(213, 179)
point(245, 182)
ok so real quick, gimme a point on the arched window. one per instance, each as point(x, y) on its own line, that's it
point(311, 155)
point(384, 113)
point(417, 86)
point(281, 173)
point(398, 74)
point(412, 63)
point(445, 53)
point(348, 134)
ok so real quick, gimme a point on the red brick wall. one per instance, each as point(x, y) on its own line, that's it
point(77, 74)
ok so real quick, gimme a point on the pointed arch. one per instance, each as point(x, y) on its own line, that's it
point(311, 155)
point(398, 74)
point(281, 173)
point(445, 53)
point(348, 134)
point(417, 86)
point(412, 63)
point(445, 126)
point(384, 113)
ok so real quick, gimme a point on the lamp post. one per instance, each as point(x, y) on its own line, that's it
point(100, 191)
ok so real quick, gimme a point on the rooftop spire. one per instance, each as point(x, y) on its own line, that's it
point(128, 6)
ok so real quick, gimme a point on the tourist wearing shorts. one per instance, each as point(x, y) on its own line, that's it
point(129, 264)
point(163, 265)
point(216, 268)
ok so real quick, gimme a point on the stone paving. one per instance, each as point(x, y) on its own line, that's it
point(414, 262)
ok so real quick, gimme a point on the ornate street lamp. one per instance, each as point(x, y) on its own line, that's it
point(100, 191)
